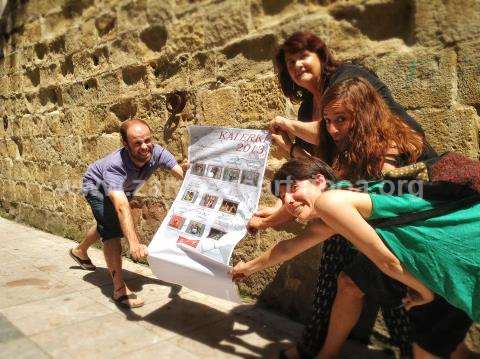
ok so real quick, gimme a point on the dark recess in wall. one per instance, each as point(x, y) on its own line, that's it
point(380, 21)
point(260, 48)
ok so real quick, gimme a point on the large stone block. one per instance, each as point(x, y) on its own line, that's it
point(441, 23)
point(452, 129)
point(171, 73)
point(31, 9)
point(131, 14)
point(107, 24)
point(418, 78)
point(6, 166)
point(81, 93)
point(79, 8)
point(55, 23)
point(159, 11)
point(92, 120)
point(220, 107)
point(9, 148)
point(260, 101)
point(469, 73)
point(81, 37)
point(226, 22)
point(187, 34)
point(32, 78)
point(126, 49)
point(82, 63)
point(49, 75)
point(94, 148)
point(31, 33)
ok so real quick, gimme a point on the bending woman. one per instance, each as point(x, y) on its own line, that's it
point(438, 255)
point(306, 69)
point(365, 138)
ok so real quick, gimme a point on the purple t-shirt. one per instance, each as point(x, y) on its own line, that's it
point(116, 172)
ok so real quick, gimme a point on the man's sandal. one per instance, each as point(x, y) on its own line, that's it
point(83, 263)
point(123, 301)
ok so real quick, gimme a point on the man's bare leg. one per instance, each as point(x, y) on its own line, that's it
point(346, 311)
point(91, 237)
point(112, 250)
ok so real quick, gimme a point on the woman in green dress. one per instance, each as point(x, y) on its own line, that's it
point(440, 254)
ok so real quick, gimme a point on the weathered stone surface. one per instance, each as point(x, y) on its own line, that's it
point(418, 78)
point(455, 129)
point(220, 106)
point(469, 73)
point(440, 23)
point(72, 71)
point(225, 22)
point(260, 101)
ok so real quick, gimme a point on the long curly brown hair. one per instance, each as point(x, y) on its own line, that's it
point(374, 130)
point(298, 42)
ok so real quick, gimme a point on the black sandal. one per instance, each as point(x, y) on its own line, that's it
point(123, 301)
point(83, 263)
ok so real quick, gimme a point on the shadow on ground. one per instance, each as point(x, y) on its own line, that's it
point(230, 332)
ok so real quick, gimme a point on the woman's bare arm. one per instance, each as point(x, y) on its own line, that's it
point(350, 223)
point(283, 251)
point(278, 216)
point(307, 131)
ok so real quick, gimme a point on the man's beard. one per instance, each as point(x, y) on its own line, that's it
point(139, 158)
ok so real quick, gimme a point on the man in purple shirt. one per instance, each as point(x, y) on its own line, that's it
point(108, 185)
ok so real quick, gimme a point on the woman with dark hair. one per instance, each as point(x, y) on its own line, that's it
point(369, 139)
point(438, 254)
point(306, 70)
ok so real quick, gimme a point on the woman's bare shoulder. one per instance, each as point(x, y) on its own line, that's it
point(338, 198)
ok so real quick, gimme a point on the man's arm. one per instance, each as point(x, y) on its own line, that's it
point(122, 207)
point(177, 172)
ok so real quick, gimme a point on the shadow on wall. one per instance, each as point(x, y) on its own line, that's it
point(380, 20)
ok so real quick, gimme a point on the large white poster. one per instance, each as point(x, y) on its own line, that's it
point(208, 218)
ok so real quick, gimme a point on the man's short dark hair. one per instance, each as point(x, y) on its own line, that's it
point(126, 124)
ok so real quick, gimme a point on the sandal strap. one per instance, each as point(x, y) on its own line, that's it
point(125, 297)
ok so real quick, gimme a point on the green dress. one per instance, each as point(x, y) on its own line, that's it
point(442, 252)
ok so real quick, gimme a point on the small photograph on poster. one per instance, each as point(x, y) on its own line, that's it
point(198, 169)
point(215, 233)
point(176, 221)
point(228, 206)
point(195, 228)
point(250, 178)
point(208, 200)
point(231, 174)
point(190, 196)
point(189, 242)
point(214, 172)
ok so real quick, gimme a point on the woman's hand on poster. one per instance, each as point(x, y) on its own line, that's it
point(283, 141)
point(240, 271)
point(257, 221)
point(280, 124)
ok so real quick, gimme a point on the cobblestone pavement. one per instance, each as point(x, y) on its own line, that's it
point(49, 307)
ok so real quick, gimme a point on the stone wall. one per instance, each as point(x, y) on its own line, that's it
point(72, 70)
